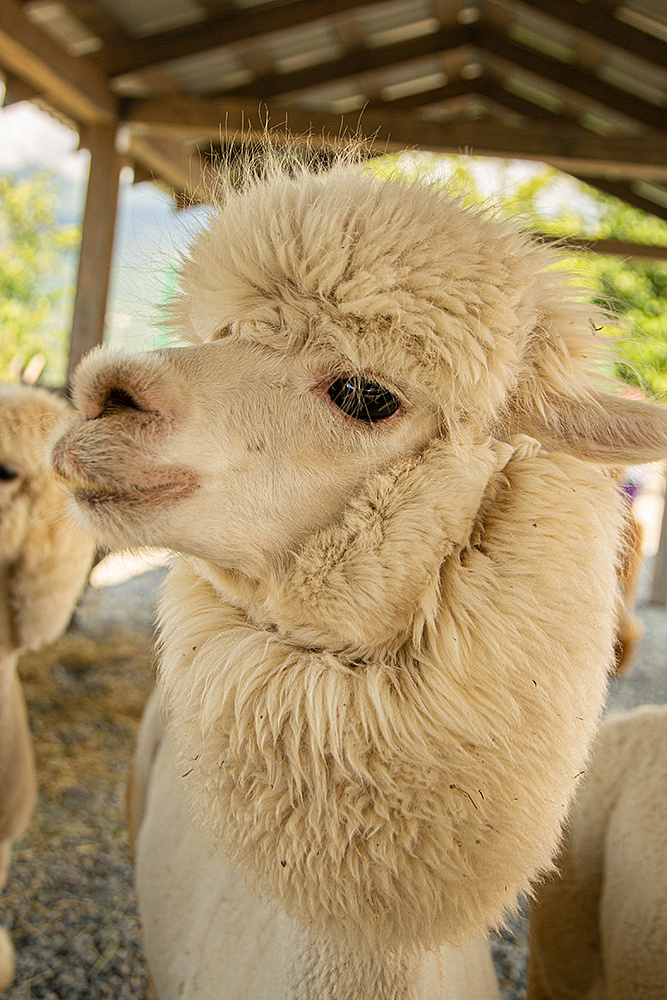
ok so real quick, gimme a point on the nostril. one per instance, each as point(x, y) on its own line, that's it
point(137, 388)
point(120, 399)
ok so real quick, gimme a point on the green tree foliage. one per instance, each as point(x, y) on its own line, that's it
point(633, 288)
point(37, 274)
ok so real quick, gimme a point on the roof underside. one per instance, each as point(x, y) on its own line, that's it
point(581, 85)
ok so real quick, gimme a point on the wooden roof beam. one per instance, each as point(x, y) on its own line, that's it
point(73, 85)
point(569, 147)
point(168, 161)
point(611, 248)
point(228, 27)
point(596, 19)
point(570, 77)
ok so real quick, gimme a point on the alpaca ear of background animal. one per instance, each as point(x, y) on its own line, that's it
point(51, 569)
point(601, 428)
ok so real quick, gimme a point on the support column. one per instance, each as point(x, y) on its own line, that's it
point(99, 223)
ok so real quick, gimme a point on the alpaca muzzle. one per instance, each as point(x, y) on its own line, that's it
point(118, 448)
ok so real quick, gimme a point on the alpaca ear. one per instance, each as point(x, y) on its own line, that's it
point(599, 427)
point(51, 568)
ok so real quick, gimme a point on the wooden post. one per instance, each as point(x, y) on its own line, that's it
point(99, 222)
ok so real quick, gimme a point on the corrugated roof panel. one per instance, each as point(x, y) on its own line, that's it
point(546, 26)
point(541, 42)
point(397, 20)
point(304, 46)
point(211, 71)
point(145, 17)
point(339, 96)
point(246, 4)
point(605, 122)
point(414, 85)
point(635, 76)
point(656, 193)
point(539, 93)
point(68, 30)
point(647, 15)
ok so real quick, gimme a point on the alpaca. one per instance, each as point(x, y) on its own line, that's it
point(386, 632)
point(44, 562)
point(630, 628)
point(599, 928)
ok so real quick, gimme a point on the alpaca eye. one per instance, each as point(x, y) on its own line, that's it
point(7, 474)
point(363, 399)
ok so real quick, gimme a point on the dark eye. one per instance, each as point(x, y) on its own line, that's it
point(7, 474)
point(363, 399)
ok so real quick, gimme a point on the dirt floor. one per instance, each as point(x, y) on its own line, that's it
point(70, 901)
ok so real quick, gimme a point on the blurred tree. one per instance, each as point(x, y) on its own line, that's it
point(37, 276)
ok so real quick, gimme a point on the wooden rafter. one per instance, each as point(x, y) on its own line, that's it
point(226, 28)
point(611, 248)
point(75, 86)
point(570, 77)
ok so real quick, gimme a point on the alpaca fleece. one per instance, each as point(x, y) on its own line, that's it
point(403, 795)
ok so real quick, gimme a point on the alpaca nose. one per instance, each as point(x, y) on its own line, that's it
point(118, 399)
point(132, 386)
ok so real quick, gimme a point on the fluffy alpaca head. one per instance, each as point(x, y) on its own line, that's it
point(44, 556)
point(385, 649)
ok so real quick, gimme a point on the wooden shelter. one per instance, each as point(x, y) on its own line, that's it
point(580, 84)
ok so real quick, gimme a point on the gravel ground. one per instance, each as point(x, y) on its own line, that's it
point(70, 901)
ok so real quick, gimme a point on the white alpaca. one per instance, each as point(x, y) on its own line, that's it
point(385, 639)
point(599, 928)
point(44, 562)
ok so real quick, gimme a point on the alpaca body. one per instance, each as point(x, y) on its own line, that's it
point(599, 928)
point(44, 562)
point(196, 910)
point(385, 639)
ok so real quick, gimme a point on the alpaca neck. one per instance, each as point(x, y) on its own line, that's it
point(323, 970)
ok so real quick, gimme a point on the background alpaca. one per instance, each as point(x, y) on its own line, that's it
point(385, 642)
point(599, 928)
point(630, 629)
point(44, 562)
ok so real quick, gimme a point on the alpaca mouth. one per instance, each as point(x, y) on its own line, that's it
point(153, 495)
point(95, 488)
